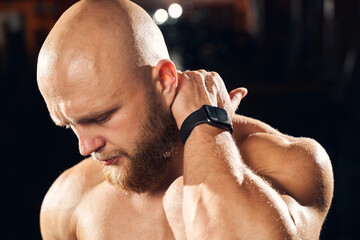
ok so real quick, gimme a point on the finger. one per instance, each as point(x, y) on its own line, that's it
point(179, 73)
point(236, 96)
point(203, 71)
point(180, 78)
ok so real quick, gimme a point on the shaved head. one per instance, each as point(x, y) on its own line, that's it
point(101, 71)
point(99, 36)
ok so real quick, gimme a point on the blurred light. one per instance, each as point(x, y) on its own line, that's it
point(175, 10)
point(329, 9)
point(160, 16)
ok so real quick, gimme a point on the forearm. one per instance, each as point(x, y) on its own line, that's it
point(224, 199)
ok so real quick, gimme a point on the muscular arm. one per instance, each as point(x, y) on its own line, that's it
point(223, 198)
point(285, 195)
point(271, 187)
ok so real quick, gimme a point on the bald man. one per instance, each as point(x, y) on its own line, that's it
point(165, 163)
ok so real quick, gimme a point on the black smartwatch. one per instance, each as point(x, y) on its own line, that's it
point(214, 116)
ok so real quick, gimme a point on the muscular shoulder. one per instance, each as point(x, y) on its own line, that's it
point(57, 218)
point(299, 166)
point(300, 170)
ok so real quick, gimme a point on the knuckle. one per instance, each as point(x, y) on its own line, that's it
point(209, 79)
point(215, 74)
point(198, 76)
point(198, 73)
point(203, 71)
point(188, 75)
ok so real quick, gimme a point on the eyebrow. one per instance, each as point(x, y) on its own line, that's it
point(92, 117)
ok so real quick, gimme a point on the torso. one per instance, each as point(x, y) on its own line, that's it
point(107, 212)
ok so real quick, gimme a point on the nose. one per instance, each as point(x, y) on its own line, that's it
point(89, 141)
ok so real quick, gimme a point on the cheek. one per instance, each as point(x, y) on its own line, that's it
point(124, 128)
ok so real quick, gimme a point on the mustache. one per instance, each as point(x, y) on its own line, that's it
point(102, 156)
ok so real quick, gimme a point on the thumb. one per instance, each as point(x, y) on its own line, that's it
point(236, 96)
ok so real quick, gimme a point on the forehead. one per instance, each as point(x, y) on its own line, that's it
point(82, 87)
point(79, 68)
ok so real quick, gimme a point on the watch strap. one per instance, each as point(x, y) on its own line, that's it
point(205, 115)
point(194, 119)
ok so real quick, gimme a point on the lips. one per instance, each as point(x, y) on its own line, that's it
point(110, 161)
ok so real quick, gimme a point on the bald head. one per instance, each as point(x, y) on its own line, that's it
point(89, 70)
point(100, 37)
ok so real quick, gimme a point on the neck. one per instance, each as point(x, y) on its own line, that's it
point(175, 169)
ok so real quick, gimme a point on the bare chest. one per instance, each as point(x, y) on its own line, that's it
point(111, 215)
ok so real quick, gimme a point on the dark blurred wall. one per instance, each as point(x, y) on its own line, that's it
point(299, 60)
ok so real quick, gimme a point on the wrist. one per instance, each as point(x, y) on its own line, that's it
point(210, 115)
point(181, 116)
point(205, 132)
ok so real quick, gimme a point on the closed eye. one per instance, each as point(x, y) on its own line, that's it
point(102, 119)
point(92, 118)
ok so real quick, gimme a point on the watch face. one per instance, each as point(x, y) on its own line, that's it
point(218, 115)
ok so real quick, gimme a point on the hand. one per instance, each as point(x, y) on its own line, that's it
point(196, 88)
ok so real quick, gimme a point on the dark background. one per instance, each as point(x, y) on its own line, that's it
point(298, 59)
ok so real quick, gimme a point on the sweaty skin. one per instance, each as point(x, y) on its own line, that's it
point(95, 70)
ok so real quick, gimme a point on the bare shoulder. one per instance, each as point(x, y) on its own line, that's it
point(298, 168)
point(57, 218)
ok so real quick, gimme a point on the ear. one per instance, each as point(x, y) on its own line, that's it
point(166, 80)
